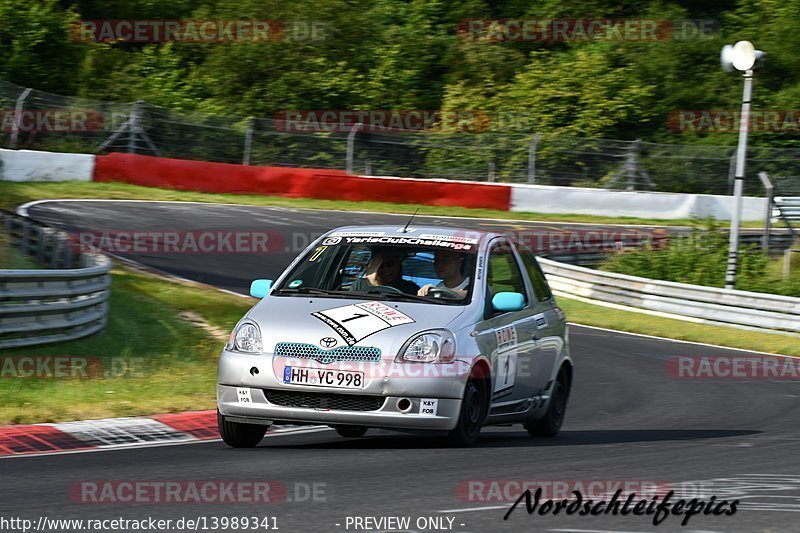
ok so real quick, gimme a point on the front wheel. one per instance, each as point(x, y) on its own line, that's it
point(550, 424)
point(472, 416)
point(237, 435)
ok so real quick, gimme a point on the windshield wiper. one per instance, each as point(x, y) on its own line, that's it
point(328, 292)
point(378, 295)
point(308, 290)
point(415, 298)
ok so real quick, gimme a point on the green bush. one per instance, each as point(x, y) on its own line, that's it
point(700, 258)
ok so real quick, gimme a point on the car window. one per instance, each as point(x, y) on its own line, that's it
point(355, 261)
point(419, 269)
point(504, 274)
point(434, 267)
point(535, 274)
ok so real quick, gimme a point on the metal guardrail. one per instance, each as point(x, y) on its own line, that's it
point(64, 302)
point(787, 208)
point(695, 303)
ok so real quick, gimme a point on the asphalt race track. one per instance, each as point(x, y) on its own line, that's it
point(628, 419)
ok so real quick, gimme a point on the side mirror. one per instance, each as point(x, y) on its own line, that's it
point(508, 301)
point(260, 287)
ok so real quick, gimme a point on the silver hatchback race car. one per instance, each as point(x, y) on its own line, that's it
point(415, 328)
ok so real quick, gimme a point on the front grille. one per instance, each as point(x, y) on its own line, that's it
point(366, 354)
point(322, 400)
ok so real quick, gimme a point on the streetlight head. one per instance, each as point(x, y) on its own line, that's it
point(741, 56)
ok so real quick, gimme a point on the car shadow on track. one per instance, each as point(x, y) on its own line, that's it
point(505, 439)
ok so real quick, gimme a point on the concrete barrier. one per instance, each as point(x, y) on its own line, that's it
point(295, 182)
point(603, 202)
point(27, 165)
point(31, 165)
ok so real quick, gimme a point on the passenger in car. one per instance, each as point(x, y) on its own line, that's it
point(385, 268)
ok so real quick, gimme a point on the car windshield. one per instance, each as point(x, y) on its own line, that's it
point(425, 268)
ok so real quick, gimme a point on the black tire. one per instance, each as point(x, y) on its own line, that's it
point(549, 425)
point(471, 416)
point(237, 435)
point(351, 432)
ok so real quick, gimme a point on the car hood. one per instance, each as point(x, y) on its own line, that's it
point(313, 320)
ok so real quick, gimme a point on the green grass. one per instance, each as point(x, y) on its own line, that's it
point(701, 258)
point(12, 258)
point(632, 322)
point(173, 361)
point(14, 194)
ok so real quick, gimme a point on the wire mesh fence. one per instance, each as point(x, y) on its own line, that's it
point(38, 120)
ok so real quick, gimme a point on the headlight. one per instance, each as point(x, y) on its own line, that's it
point(246, 337)
point(435, 346)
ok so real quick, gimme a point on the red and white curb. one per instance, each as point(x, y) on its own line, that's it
point(109, 433)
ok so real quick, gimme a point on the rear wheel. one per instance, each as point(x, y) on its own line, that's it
point(351, 432)
point(550, 424)
point(239, 435)
point(472, 415)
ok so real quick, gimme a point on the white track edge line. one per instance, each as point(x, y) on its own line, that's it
point(656, 337)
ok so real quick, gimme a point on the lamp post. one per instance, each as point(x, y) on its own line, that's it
point(742, 56)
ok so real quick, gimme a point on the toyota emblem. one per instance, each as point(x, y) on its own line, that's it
point(327, 342)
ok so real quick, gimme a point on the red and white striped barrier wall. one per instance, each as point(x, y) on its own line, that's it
point(322, 184)
point(295, 182)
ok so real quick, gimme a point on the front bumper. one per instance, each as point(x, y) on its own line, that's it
point(391, 381)
point(389, 415)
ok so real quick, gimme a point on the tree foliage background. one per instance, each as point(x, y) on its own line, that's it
point(407, 54)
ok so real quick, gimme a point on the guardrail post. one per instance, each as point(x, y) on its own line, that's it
point(12, 143)
point(351, 142)
point(248, 140)
point(787, 263)
point(532, 158)
point(136, 116)
point(68, 252)
point(42, 236)
point(631, 168)
point(114, 136)
point(767, 210)
point(25, 243)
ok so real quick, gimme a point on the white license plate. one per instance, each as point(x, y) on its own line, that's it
point(321, 377)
